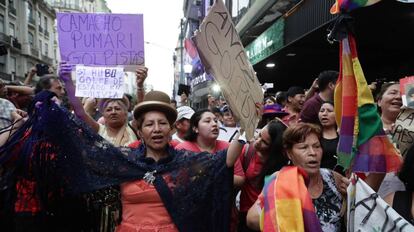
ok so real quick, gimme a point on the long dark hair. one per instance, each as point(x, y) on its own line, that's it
point(276, 159)
point(191, 135)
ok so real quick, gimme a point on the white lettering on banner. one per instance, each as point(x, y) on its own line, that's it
point(198, 80)
point(99, 82)
point(403, 132)
point(368, 212)
point(223, 56)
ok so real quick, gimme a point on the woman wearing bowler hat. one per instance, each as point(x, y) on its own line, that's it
point(162, 189)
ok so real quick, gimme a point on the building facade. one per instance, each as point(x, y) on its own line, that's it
point(188, 67)
point(286, 40)
point(28, 35)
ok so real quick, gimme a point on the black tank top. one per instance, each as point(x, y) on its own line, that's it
point(402, 204)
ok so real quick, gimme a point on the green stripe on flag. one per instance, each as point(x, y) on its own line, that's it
point(370, 123)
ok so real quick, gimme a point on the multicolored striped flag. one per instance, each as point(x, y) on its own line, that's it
point(363, 145)
point(286, 203)
point(349, 5)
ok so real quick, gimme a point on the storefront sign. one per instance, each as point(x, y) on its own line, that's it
point(269, 42)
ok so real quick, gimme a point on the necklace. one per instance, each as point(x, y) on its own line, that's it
point(316, 189)
point(149, 177)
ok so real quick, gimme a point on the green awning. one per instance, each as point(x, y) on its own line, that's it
point(269, 42)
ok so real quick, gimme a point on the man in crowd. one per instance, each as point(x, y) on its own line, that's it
point(326, 84)
point(6, 107)
point(182, 124)
point(294, 104)
point(227, 117)
point(212, 103)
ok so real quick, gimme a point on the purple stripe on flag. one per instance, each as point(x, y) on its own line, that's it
point(368, 163)
point(311, 222)
point(347, 125)
point(345, 144)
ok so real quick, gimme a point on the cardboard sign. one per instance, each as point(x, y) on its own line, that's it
point(99, 82)
point(101, 39)
point(224, 57)
point(403, 132)
point(368, 212)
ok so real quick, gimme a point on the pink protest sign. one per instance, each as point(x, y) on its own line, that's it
point(101, 39)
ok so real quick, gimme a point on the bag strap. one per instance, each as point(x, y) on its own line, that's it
point(248, 155)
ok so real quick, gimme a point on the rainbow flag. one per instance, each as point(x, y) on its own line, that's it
point(286, 203)
point(349, 5)
point(363, 145)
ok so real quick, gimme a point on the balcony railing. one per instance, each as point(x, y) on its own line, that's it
point(4, 38)
point(3, 2)
point(5, 76)
point(34, 52)
point(16, 44)
point(40, 29)
point(12, 10)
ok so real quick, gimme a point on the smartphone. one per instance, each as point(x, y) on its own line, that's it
point(42, 69)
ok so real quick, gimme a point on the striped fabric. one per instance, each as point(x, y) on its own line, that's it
point(286, 203)
point(349, 5)
point(363, 145)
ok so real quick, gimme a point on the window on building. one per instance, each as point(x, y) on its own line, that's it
point(1, 23)
point(39, 18)
point(13, 64)
point(31, 39)
point(30, 64)
point(40, 47)
point(46, 49)
point(30, 12)
point(12, 30)
point(239, 8)
point(45, 23)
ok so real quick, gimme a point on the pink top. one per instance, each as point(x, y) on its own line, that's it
point(192, 146)
point(143, 210)
point(220, 145)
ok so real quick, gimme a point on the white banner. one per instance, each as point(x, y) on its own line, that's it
point(368, 212)
point(99, 82)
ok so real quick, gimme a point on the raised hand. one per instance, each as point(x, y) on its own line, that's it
point(141, 74)
point(65, 71)
point(259, 109)
point(19, 117)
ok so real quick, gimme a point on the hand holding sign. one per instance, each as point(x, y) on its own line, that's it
point(141, 74)
point(65, 72)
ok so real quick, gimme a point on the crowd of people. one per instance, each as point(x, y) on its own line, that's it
point(153, 166)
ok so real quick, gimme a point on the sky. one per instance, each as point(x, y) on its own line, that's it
point(161, 30)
